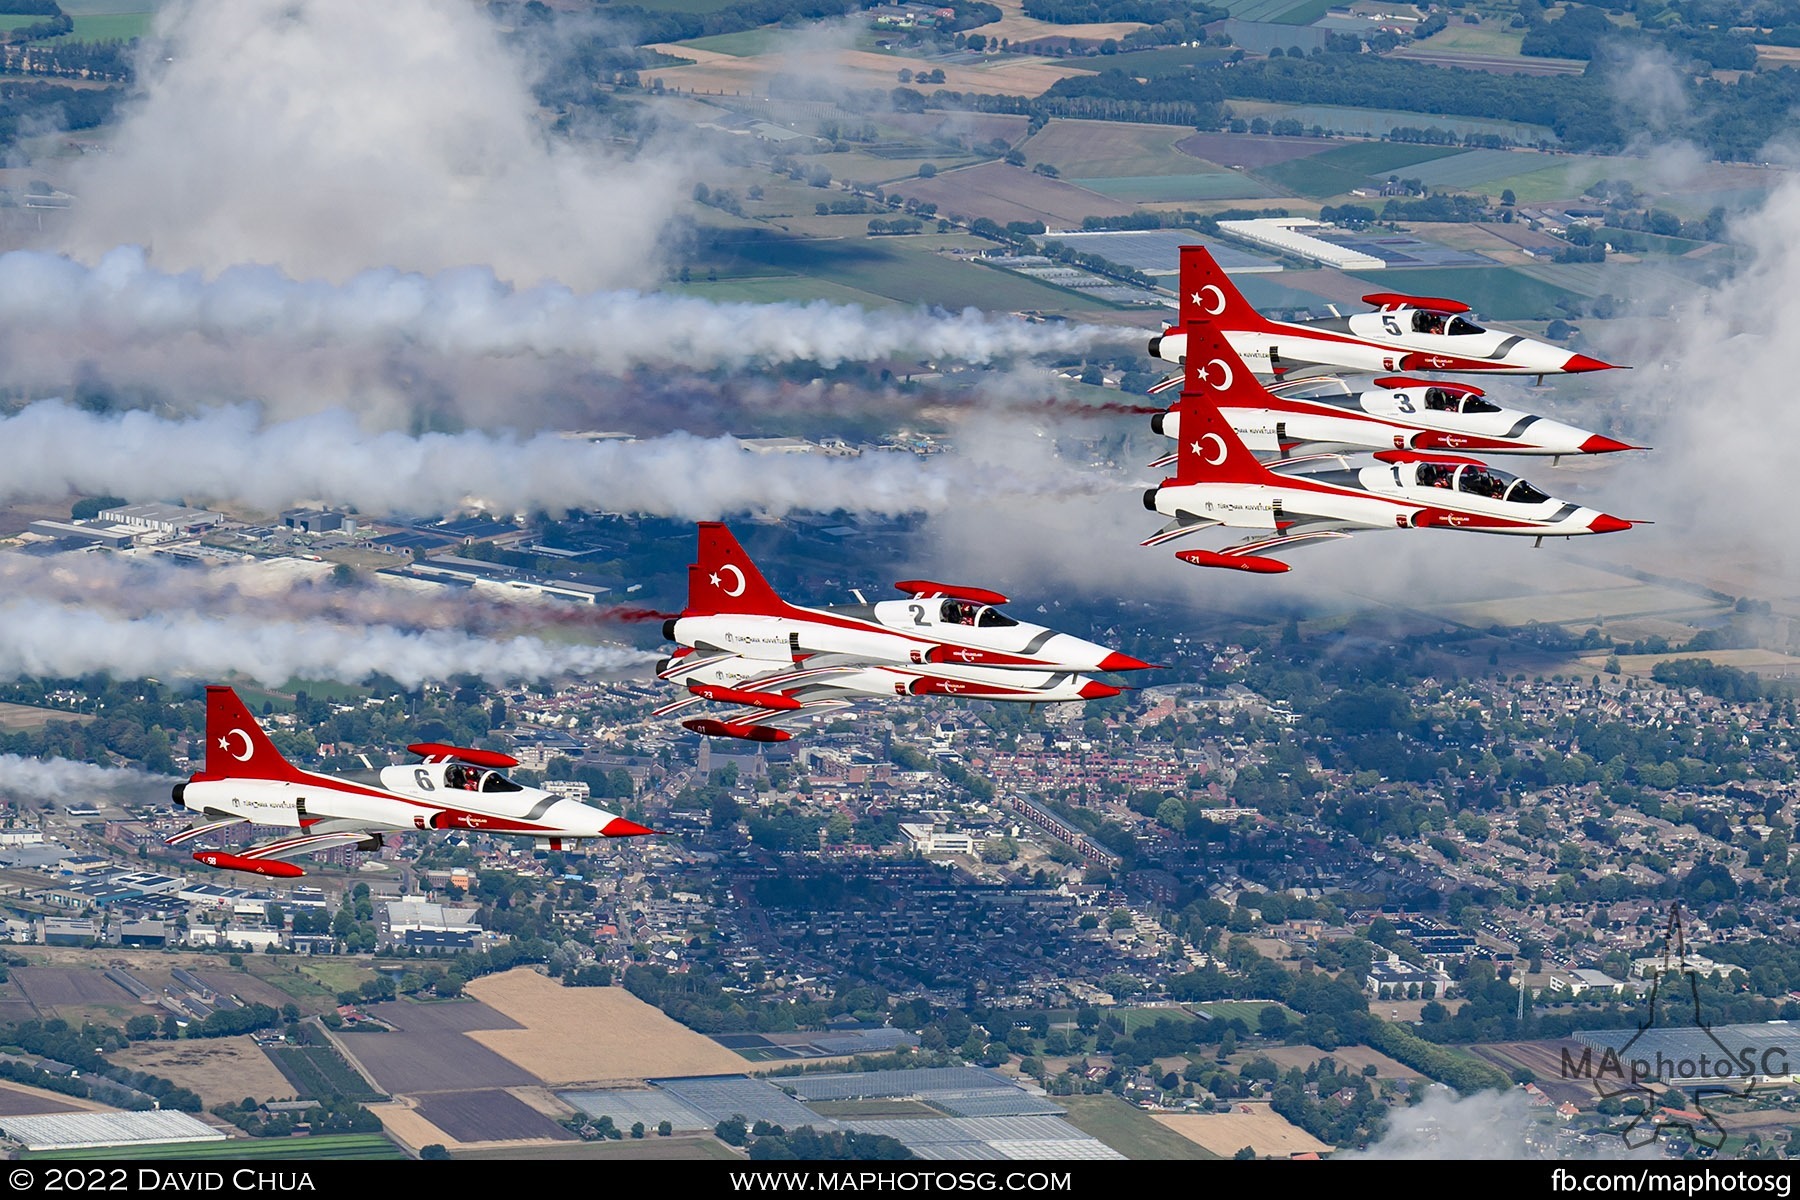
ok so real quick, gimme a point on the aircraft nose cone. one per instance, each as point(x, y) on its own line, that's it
point(1095, 690)
point(1123, 662)
point(620, 827)
point(1581, 362)
point(1604, 445)
point(1606, 524)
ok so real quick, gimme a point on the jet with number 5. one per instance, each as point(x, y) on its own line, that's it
point(247, 781)
point(740, 644)
point(1298, 501)
point(1404, 333)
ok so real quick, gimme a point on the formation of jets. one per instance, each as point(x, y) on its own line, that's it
point(1275, 460)
point(1270, 441)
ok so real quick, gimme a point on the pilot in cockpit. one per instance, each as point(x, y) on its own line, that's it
point(458, 776)
point(958, 612)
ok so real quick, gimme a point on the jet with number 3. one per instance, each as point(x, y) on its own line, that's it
point(740, 644)
point(1297, 501)
point(1404, 333)
point(247, 781)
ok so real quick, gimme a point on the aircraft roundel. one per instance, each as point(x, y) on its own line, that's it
point(1206, 374)
point(249, 749)
point(735, 574)
point(1218, 442)
point(1218, 299)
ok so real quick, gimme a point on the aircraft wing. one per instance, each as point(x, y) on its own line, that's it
point(194, 831)
point(1179, 527)
point(798, 680)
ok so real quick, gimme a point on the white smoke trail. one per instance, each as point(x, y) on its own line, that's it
point(53, 779)
point(471, 312)
point(287, 588)
point(38, 639)
point(225, 455)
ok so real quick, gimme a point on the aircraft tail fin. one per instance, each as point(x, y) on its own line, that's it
point(1210, 450)
point(725, 580)
point(1207, 294)
point(236, 746)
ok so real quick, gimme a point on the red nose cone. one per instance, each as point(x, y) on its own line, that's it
point(1123, 662)
point(1606, 524)
point(1604, 445)
point(1581, 362)
point(1098, 691)
point(620, 827)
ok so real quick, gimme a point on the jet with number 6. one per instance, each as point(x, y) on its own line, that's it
point(247, 781)
point(740, 644)
point(1298, 501)
point(1404, 333)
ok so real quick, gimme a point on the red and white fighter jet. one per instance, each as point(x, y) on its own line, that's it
point(1319, 414)
point(1405, 333)
point(247, 780)
point(1296, 501)
point(739, 643)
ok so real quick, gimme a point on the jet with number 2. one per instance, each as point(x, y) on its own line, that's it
point(740, 644)
point(247, 781)
point(1296, 501)
point(1405, 333)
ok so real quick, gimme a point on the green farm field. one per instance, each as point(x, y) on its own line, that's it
point(1500, 293)
point(1376, 122)
point(329, 1147)
point(1338, 171)
point(1128, 1129)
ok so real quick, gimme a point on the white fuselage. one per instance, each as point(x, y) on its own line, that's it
point(1411, 418)
point(987, 683)
point(1363, 342)
point(1379, 497)
point(896, 631)
point(408, 797)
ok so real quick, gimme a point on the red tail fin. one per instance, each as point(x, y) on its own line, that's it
point(725, 580)
point(236, 746)
point(1207, 294)
point(1210, 449)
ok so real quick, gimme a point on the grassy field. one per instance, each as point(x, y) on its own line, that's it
point(1377, 122)
point(1337, 171)
point(748, 44)
point(1100, 149)
point(1168, 60)
point(1281, 12)
point(103, 27)
point(1474, 169)
point(1128, 1129)
point(29, 716)
point(1179, 189)
point(1488, 38)
point(1236, 1010)
point(1500, 293)
point(326, 1148)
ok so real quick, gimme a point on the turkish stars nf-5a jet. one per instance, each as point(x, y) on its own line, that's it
point(1317, 414)
point(246, 780)
point(1405, 333)
point(1296, 501)
point(741, 644)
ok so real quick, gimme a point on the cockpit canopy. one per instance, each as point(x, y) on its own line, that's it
point(965, 612)
point(1448, 401)
point(463, 777)
point(1472, 479)
point(1434, 322)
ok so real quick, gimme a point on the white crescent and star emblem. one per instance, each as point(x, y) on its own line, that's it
point(728, 569)
point(249, 747)
point(1218, 305)
point(1217, 441)
point(1205, 373)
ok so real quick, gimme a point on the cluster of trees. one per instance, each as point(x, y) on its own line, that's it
point(84, 1049)
point(334, 1115)
point(1585, 32)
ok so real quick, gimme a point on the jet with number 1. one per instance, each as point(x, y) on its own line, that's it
point(740, 644)
point(1296, 501)
point(1405, 333)
point(247, 781)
